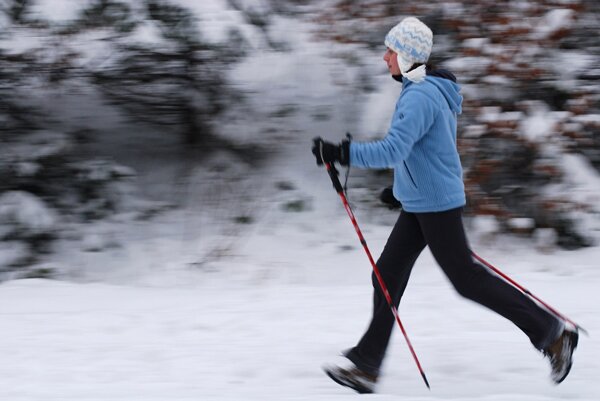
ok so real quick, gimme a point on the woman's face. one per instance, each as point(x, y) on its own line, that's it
point(391, 60)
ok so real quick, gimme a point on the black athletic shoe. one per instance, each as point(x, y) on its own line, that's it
point(561, 354)
point(350, 376)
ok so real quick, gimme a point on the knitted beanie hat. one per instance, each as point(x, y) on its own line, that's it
point(412, 40)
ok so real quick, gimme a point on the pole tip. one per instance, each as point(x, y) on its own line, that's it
point(425, 380)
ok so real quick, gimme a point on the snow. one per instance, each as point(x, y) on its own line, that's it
point(468, 64)
point(11, 251)
point(588, 118)
point(27, 169)
point(554, 20)
point(582, 180)
point(378, 108)
point(25, 43)
point(497, 80)
point(101, 170)
point(27, 211)
point(192, 307)
point(522, 223)
point(538, 126)
point(217, 19)
point(261, 326)
point(494, 114)
point(475, 43)
point(4, 20)
point(147, 33)
point(58, 11)
point(576, 61)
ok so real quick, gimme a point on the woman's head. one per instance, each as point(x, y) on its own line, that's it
point(408, 43)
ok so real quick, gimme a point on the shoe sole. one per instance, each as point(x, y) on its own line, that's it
point(360, 390)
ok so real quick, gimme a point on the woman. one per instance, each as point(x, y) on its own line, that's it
point(421, 147)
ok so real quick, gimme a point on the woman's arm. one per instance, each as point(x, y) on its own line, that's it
point(413, 118)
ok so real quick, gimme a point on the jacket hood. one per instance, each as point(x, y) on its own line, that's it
point(446, 83)
point(441, 73)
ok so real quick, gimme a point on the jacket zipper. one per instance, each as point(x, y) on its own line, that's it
point(410, 175)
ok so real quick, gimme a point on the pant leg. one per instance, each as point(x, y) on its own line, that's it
point(402, 249)
point(445, 236)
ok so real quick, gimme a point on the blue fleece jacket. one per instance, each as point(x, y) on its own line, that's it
point(421, 147)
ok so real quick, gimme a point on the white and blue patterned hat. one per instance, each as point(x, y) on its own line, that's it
point(412, 40)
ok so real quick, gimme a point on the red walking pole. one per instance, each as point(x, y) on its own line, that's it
point(333, 174)
point(527, 292)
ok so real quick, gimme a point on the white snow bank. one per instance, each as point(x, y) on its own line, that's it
point(218, 337)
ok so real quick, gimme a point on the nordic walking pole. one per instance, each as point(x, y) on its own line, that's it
point(527, 292)
point(333, 174)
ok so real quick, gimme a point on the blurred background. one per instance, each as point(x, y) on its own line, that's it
point(130, 121)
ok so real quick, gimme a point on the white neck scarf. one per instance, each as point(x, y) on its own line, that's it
point(417, 75)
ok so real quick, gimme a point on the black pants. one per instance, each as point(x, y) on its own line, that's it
point(443, 232)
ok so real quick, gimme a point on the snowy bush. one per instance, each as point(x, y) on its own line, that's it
point(45, 187)
point(160, 71)
point(28, 224)
point(150, 61)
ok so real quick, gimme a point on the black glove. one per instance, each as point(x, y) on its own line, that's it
point(327, 152)
point(387, 197)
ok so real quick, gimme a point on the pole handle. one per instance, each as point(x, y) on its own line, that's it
point(333, 174)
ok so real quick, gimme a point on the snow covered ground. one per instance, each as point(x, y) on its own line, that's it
point(260, 325)
point(156, 319)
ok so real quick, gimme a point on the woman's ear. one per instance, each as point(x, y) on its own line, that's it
point(404, 64)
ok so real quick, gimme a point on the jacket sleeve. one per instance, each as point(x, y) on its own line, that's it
point(413, 117)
